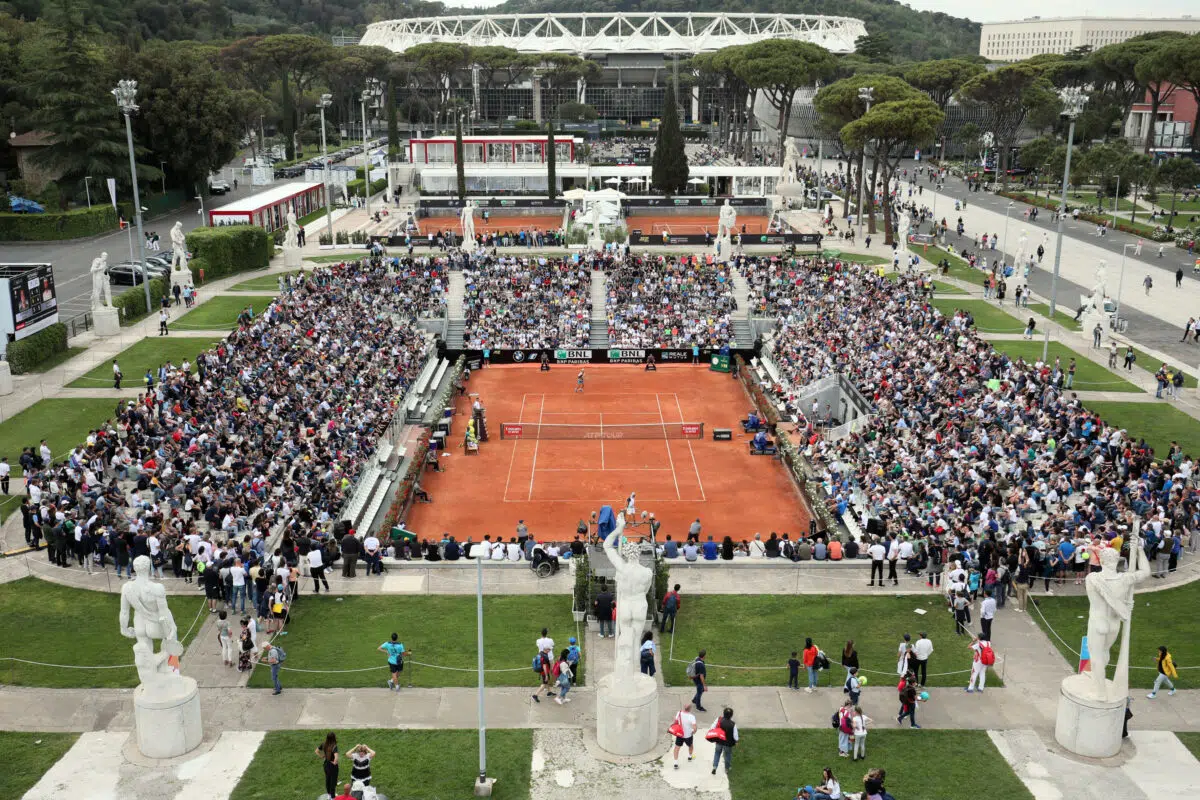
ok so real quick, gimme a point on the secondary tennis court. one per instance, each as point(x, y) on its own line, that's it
point(693, 223)
point(628, 431)
point(496, 223)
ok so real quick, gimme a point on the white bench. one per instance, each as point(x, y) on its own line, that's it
point(385, 452)
point(439, 374)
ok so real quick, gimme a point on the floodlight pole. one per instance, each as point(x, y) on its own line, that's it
point(867, 94)
point(1073, 100)
point(126, 95)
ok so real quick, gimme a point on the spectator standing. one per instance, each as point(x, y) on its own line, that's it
point(316, 567)
point(351, 548)
point(670, 607)
point(274, 657)
point(328, 751)
point(603, 606)
point(981, 656)
point(725, 743)
point(646, 654)
point(860, 722)
point(809, 657)
point(922, 650)
point(698, 673)
point(987, 612)
point(877, 552)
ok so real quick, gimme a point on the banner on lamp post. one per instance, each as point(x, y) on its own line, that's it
point(112, 192)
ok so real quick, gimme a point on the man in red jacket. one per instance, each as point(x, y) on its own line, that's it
point(670, 607)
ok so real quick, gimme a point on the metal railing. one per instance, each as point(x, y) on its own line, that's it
point(80, 323)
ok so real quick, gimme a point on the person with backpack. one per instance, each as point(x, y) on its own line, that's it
point(843, 723)
point(574, 654)
point(563, 676)
point(274, 655)
point(543, 666)
point(907, 689)
point(982, 657)
point(697, 673)
point(670, 607)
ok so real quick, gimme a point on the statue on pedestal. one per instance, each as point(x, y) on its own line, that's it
point(101, 289)
point(179, 256)
point(633, 582)
point(726, 220)
point(791, 158)
point(152, 620)
point(291, 239)
point(466, 218)
point(903, 226)
point(1110, 607)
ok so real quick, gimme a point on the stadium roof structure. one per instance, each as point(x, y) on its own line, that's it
point(586, 34)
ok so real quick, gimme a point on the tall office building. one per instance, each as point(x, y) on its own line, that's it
point(1022, 39)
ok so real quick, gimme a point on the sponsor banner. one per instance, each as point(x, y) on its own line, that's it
point(513, 430)
point(494, 202)
point(722, 435)
point(564, 355)
point(638, 238)
point(689, 202)
point(690, 428)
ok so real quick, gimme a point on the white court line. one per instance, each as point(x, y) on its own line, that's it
point(667, 442)
point(693, 452)
point(520, 418)
point(533, 469)
point(614, 469)
point(602, 443)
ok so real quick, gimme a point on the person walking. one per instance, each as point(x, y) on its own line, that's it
point(1130, 357)
point(274, 656)
point(579, 381)
point(1166, 672)
point(908, 701)
point(1029, 327)
point(685, 733)
point(1178, 272)
point(563, 675)
point(698, 673)
point(395, 656)
point(1148, 284)
point(809, 659)
point(670, 607)
point(328, 751)
point(921, 652)
point(162, 322)
point(853, 685)
point(646, 655)
point(1187, 328)
point(316, 568)
point(116, 375)
point(982, 656)
point(225, 639)
point(724, 741)
point(1097, 334)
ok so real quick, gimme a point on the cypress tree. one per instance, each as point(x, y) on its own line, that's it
point(458, 158)
point(551, 161)
point(669, 170)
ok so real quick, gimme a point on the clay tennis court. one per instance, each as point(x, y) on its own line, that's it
point(553, 483)
point(693, 223)
point(496, 223)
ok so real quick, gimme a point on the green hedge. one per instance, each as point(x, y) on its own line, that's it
point(356, 187)
point(27, 353)
point(131, 303)
point(52, 226)
point(228, 249)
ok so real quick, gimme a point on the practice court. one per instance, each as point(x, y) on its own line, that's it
point(573, 452)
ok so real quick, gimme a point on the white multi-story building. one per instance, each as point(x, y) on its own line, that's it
point(1022, 39)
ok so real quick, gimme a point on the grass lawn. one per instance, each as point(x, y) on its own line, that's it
point(988, 318)
point(61, 422)
point(1191, 741)
point(146, 354)
point(1151, 365)
point(409, 764)
point(770, 764)
point(332, 259)
point(74, 626)
point(25, 762)
point(1060, 316)
point(857, 258)
point(762, 631)
point(8, 505)
point(1089, 376)
point(220, 312)
point(938, 288)
point(1156, 621)
point(344, 633)
point(1159, 424)
point(263, 283)
point(58, 359)
point(959, 268)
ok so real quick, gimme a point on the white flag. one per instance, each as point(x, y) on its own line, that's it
point(112, 191)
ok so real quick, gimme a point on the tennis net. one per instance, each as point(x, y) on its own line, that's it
point(653, 430)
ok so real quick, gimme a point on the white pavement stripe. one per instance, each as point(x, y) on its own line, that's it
point(215, 774)
point(91, 769)
point(1161, 766)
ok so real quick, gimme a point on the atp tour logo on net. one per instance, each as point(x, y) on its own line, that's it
point(626, 356)
point(573, 356)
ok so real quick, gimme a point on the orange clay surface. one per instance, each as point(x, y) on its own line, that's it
point(553, 483)
point(692, 223)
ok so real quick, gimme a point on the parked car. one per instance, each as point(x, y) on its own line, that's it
point(129, 273)
point(218, 186)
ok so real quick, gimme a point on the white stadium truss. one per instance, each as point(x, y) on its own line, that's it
point(602, 34)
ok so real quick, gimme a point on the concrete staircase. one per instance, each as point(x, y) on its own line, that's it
point(742, 331)
point(598, 338)
point(455, 322)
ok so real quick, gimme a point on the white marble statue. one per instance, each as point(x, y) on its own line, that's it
point(594, 219)
point(1110, 606)
point(466, 218)
point(151, 620)
point(791, 159)
point(1100, 289)
point(178, 247)
point(1022, 249)
point(633, 582)
point(291, 239)
point(101, 289)
point(903, 226)
point(726, 221)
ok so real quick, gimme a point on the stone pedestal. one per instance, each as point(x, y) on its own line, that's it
point(627, 714)
point(168, 722)
point(595, 243)
point(722, 248)
point(292, 258)
point(6, 384)
point(1088, 726)
point(106, 321)
point(1089, 320)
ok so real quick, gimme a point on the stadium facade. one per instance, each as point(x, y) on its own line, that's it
point(636, 51)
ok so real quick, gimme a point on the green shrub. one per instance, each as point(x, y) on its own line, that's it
point(228, 249)
point(27, 353)
point(53, 226)
point(356, 186)
point(131, 303)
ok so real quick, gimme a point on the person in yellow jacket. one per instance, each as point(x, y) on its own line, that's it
point(1166, 671)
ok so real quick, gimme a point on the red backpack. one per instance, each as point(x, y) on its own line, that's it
point(987, 656)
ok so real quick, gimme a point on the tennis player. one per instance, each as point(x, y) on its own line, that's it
point(579, 381)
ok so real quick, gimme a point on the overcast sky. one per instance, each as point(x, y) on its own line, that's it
point(995, 11)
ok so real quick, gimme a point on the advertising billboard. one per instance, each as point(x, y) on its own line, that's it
point(30, 296)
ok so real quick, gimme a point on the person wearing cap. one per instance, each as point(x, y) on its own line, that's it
point(573, 657)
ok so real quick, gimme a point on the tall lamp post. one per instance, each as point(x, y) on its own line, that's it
point(88, 189)
point(1004, 247)
point(1121, 284)
point(866, 94)
point(126, 95)
point(1073, 100)
point(324, 103)
point(370, 93)
point(1116, 201)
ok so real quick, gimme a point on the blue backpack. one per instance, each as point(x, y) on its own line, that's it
point(537, 663)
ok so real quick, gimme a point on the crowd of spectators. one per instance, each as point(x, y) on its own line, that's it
point(966, 443)
point(526, 302)
point(273, 426)
point(669, 301)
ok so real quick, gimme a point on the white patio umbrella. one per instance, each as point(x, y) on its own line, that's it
point(613, 181)
point(575, 194)
point(696, 181)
